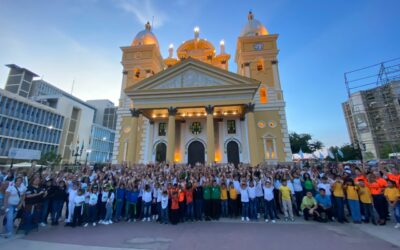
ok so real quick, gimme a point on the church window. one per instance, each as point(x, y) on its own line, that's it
point(260, 65)
point(162, 129)
point(137, 73)
point(231, 124)
point(195, 128)
point(263, 95)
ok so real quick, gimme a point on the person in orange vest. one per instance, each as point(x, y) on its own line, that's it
point(182, 206)
point(174, 207)
point(189, 202)
point(377, 188)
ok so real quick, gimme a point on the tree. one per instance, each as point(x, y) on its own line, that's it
point(304, 142)
point(349, 153)
point(50, 158)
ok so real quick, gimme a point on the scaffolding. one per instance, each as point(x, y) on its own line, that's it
point(374, 106)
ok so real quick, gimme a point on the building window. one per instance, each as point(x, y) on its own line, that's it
point(231, 124)
point(270, 148)
point(162, 129)
point(195, 128)
point(263, 95)
point(260, 65)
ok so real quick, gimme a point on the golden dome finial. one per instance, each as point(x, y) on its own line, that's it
point(250, 16)
point(147, 26)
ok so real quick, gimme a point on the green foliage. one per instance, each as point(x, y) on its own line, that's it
point(304, 142)
point(50, 158)
point(349, 153)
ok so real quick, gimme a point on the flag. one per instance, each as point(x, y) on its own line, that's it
point(331, 155)
point(340, 153)
point(301, 154)
point(321, 156)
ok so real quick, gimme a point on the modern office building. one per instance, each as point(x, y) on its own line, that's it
point(106, 113)
point(78, 115)
point(373, 119)
point(26, 124)
point(101, 144)
point(103, 131)
point(19, 80)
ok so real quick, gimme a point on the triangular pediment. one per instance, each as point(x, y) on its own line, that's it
point(192, 74)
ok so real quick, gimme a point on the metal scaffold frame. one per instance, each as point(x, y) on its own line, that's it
point(377, 77)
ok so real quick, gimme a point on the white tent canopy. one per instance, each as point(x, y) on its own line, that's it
point(24, 165)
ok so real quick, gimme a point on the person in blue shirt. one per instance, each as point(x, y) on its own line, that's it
point(120, 199)
point(324, 205)
point(132, 195)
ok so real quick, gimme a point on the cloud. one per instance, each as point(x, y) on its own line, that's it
point(144, 10)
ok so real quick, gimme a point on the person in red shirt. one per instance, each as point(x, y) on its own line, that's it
point(360, 176)
point(189, 202)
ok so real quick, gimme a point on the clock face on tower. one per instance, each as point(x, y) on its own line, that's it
point(258, 46)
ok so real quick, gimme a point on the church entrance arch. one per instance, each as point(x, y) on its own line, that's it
point(161, 152)
point(232, 150)
point(196, 153)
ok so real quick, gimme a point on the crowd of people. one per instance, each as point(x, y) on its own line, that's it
point(172, 194)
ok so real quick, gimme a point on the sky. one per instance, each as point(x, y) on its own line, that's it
point(66, 41)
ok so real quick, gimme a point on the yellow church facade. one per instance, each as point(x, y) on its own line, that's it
point(191, 108)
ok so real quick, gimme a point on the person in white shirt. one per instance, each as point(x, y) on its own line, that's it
point(78, 202)
point(324, 184)
point(109, 205)
point(93, 197)
point(298, 192)
point(244, 198)
point(269, 203)
point(72, 192)
point(164, 207)
point(259, 197)
point(12, 203)
point(252, 201)
point(146, 199)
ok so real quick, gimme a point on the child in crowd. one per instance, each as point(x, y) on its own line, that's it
point(79, 200)
point(119, 201)
point(132, 196)
point(392, 196)
point(224, 200)
point(174, 207)
point(353, 200)
point(252, 201)
point(147, 199)
point(286, 200)
point(269, 202)
point(244, 198)
point(367, 209)
point(93, 198)
point(233, 197)
point(164, 207)
point(107, 199)
point(189, 202)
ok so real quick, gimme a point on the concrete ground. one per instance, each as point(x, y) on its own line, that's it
point(225, 234)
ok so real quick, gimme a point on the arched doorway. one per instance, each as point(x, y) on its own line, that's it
point(195, 153)
point(161, 152)
point(232, 149)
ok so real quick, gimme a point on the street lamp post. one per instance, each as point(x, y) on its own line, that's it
point(77, 152)
point(88, 151)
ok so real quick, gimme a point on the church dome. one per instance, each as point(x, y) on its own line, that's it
point(253, 27)
point(145, 37)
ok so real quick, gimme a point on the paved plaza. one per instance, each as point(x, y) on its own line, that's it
point(225, 234)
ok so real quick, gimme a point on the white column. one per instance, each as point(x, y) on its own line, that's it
point(275, 73)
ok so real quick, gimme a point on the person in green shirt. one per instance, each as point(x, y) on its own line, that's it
point(215, 200)
point(207, 200)
point(309, 207)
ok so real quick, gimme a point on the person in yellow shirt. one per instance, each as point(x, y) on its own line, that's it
point(367, 209)
point(224, 200)
point(392, 196)
point(338, 195)
point(232, 201)
point(286, 200)
point(353, 200)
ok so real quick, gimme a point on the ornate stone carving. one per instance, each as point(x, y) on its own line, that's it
point(172, 111)
point(249, 107)
point(209, 109)
point(135, 112)
point(190, 78)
